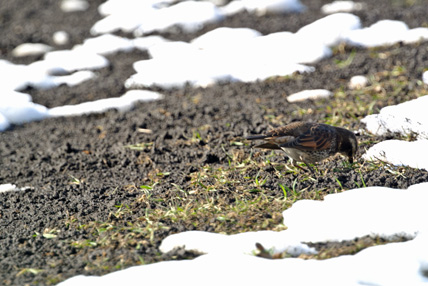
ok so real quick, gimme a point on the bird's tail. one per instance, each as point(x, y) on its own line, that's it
point(268, 146)
point(255, 137)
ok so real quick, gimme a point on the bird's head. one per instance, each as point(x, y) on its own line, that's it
point(347, 144)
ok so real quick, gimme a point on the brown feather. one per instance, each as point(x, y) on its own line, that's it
point(268, 146)
point(316, 137)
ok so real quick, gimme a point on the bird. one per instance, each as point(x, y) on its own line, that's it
point(309, 142)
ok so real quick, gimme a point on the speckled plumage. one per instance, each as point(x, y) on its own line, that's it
point(309, 142)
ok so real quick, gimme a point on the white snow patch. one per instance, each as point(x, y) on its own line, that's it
point(38, 75)
point(144, 43)
point(172, 50)
point(12, 104)
point(232, 8)
point(11, 95)
point(4, 123)
point(425, 77)
point(342, 218)
point(7, 188)
point(226, 54)
point(243, 243)
point(286, 47)
point(385, 32)
point(331, 29)
point(183, 15)
point(205, 70)
point(392, 264)
point(167, 74)
point(72, 60)
point(416, 35)
point(341, 6)
point(126, 21)
point(18, 112)
point(21, 76)
point(17, 76)
point(378, 34)
point(313, 94)
point(400, 153)
point(30, 49)
point(261, 8)
point(142, 17)
point(405, 118)
point(73, 79)
point(125, 6)
point(106, 44)
point(217, 38)
point(123, 103)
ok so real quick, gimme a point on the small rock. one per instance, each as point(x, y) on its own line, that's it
point(358, 82)
point(74, 5)
point(309, 94)
point(61, 38)
point(341, 6)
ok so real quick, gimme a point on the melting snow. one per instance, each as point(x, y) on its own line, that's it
point(412, 154)
point(406, 118)
point(341, 216)
point(379, 34)
point(123, 103)
point(341, 6)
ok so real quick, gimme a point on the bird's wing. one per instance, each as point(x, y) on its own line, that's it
point(276, 137)
point(280, 131)
point(282, 134)
point(317, 137)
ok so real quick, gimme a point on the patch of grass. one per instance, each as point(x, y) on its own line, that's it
point(33, 271)
point(201, 202)
point(348, 61)
point(348, 106)
point(47, 233)
point(246, 192)
point(75, 181)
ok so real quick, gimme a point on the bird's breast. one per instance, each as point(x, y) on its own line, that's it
point(306, 156)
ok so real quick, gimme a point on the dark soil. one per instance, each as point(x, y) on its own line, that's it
point(78, 171)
